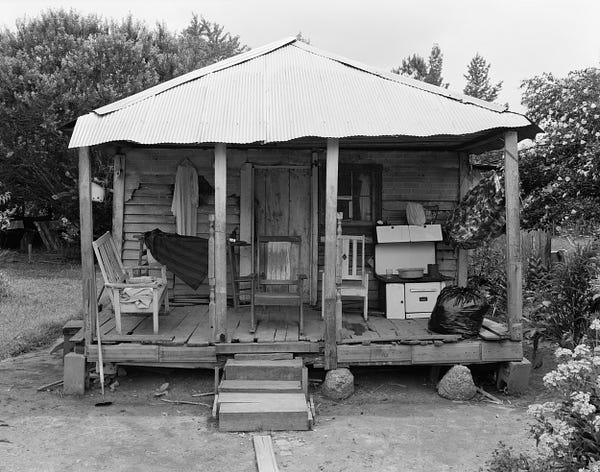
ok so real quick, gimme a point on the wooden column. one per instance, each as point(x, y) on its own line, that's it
point(219, 330)
point(513, 237)
point(86, 228)
point(246, 217)
point(211, 274)
point(314, 228)
point(118, 201)
point(329, 295)
point(463, 188)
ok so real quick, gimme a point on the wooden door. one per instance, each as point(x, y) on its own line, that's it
point(282, 207)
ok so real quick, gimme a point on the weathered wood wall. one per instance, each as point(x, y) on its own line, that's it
point(430, 178)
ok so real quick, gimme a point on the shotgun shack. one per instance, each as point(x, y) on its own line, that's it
point(304, 147)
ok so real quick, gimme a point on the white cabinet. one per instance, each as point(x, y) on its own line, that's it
point(411, 300)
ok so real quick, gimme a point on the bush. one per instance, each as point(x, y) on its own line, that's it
point(567, 430)
point(567, 297)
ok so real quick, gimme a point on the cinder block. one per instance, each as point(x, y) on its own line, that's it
point(514, 376)
point(74, 374)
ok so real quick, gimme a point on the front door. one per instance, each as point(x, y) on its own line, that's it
point(282, 207)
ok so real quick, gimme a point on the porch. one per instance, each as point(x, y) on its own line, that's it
point(184, 340)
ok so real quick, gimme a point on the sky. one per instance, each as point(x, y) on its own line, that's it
point(520, 38)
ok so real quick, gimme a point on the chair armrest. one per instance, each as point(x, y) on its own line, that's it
point(152, 285)
point(149, 266)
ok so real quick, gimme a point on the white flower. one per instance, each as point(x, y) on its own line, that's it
point(582, 351)
point(596, 423)
point(581, 404)
point(563, 352)
point(595, 324)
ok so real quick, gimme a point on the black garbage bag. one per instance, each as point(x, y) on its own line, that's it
point(458, 310)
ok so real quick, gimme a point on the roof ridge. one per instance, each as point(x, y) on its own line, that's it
point(418, 84)
point(193, 75)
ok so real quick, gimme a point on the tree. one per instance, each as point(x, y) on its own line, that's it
point(560, 172)
point(429, 71)
point(62, 64)
point(478, 80)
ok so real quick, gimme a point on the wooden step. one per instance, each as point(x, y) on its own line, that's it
point(263, 412)
point(257, 369)
point(265, 386)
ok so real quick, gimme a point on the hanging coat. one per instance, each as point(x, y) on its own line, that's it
point(185, 199)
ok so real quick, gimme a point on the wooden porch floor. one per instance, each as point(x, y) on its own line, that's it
point(183, 339)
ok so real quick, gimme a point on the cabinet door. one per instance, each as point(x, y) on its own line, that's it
point(421, 297)
point(394, 301)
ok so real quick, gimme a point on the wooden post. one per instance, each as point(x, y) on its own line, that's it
point(220, 326)
point(211, 275)
point(86, 229)
point(329, 295)
point(118, 201)
point(513, 237)
point(314, 228)
point(463, 188)
point(338, 278)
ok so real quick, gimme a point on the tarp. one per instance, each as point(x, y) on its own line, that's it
point(185, 256)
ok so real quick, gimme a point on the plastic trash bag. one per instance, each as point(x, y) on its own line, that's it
point(458, 310)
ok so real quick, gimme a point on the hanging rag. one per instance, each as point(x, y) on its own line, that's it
point(480, 216)
point(185, 199)
point(185, 256)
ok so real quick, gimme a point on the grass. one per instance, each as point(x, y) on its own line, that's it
point(40, 298)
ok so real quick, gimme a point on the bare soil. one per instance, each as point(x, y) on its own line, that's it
point(394, 421)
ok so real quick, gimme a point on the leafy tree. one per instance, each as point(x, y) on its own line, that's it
point(62, 64)
point(560, 172)
point(429, 71)
point(478, 80)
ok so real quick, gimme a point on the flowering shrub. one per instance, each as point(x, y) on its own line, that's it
point(567, 430)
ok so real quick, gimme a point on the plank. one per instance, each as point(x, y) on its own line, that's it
point(275, 356)
point(124, 352)
point(242, 333)
point(280, 333)
point(313, 328)
point(501, 351)
point(265, 331)
point(261, 417)
point(187, 353)
point(488, 335)
point(382, 326)
point(194, 320)
point(291, 400)
point(292, 332)
point(265, 457)
point(118, 200)
point(296, 347)
point(375, 353)
point(496, 328)
point(138, 338)
point(263, 369)
point(130, 322)
point(257, 386)
point(456, 353)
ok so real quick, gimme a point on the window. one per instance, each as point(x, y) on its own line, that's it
point(359, 192)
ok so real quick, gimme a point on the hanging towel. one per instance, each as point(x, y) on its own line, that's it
point(185, 199)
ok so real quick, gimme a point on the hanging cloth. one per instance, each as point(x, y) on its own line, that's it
point(480, 216)
point(185, 199)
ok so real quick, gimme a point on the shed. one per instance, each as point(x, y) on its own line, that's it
point(280, 133)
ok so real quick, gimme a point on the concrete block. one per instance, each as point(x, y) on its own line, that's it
point(74, 374)
point(514, 376)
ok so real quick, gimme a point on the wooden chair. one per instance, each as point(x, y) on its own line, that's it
point(355, 278)
point(118, 278)
point(277, 280)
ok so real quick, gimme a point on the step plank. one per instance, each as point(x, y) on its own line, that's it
point(262, 417)
point(267, 386)
point(290, 401)
point(264, 369)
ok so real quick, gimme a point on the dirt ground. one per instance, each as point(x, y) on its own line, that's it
point(394, 422)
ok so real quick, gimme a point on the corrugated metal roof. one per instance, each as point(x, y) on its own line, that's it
point(289, 90)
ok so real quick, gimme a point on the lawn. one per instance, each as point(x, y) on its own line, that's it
point(42, 296)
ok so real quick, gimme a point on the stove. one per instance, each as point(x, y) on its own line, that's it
point(404, 247)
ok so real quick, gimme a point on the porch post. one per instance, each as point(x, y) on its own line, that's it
point(513, 238)
point(219, 330)
point(463, 188)
point(329, 292)
point(86, 228)
point(118, 201)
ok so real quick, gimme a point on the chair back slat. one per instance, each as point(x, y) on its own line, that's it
point(108, 259)
point(278, 262)
point(353, 257)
